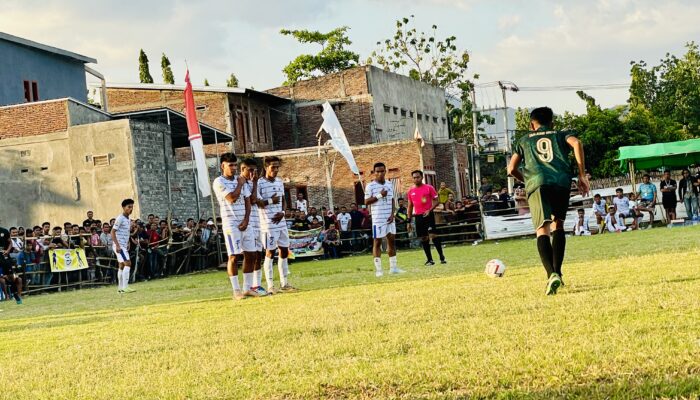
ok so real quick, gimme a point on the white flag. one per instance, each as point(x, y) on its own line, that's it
point(338, 140)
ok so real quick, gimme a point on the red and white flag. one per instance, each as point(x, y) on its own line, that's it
point(195, 136)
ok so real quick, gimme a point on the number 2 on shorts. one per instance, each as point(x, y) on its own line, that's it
point(544, 150)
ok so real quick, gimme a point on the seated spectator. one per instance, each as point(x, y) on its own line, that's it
point(611, 222)
point(450, 203)
point(599, 209)
point(459, 206)
point(331, 241)
point(315, 220)
point(17, 248)
point(581, 226)
point(647, 198)
point(301, 223)
point(622, 205)
point(520, 198)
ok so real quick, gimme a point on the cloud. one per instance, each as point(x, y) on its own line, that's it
point(508, 21)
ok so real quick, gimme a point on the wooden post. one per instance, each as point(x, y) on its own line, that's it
point(329, 179)
point(633, 176)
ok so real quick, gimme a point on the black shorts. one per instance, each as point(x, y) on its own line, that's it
point(669, 203)
point(425, 225)
point(547, 203)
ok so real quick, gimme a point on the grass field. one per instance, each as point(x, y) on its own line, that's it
point(627, 325)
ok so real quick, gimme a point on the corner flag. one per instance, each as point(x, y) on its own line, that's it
point(195, 136)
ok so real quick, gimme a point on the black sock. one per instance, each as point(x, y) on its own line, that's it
point(438, 246)
point(426, 249)
point(544, 247)
point(558, 247)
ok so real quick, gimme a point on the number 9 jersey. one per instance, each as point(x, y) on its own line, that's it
point(545, 155)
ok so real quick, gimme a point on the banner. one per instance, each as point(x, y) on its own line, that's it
point(338, 140)
point(63, 260)
point(305, 243)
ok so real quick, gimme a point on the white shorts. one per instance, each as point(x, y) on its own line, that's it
point(380, 231)
point(238, 241)
point(258, 240)
point(122, 255)
point(274, 239)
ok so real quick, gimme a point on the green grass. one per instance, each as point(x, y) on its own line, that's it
point(627, 325)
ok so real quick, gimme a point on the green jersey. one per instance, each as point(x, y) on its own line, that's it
point(545, 155)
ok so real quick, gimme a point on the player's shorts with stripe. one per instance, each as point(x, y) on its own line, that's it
point(276, 238)
point(238, 241)
point(380, 231)
point(258, 239)
point(547, 203)
point(122, 254)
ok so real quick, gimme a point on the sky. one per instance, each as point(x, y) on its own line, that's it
point(531, 43)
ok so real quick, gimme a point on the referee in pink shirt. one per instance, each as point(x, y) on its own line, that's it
point(422, 200)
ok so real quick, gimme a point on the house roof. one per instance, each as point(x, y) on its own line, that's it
point(47, 48)
point(214, 89)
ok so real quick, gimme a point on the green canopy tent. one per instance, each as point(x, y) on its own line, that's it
point(651, 156)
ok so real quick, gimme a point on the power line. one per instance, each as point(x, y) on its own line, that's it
point(563, 88)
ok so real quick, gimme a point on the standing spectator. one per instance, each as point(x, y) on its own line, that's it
point(647, 198)
point(668, 195)
point(358, 220)
point(89, 221)
point(46, 228)
point(345, 224)
point(599, 209)
point(76, 240)
point(330, 242)
point(8, 279)
point(315, 220)
point(688, 191)
point(485, 186)
point(444, 193)
point(153, 251)
point(622, 205)
point(450, 206)
point(328, 218)
point(521, 201)
point(302, 203)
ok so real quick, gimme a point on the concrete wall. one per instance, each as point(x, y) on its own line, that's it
point(404, 96)
point(81, 114)
point(56, 76)
point(54, 178)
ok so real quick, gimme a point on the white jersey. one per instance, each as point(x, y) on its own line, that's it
point(600, 208)
point(382, 208)
point(622, 204)
point(344, 220)
point(122, 226)
point(231, 213)
point(266, 190)
point(254, 219)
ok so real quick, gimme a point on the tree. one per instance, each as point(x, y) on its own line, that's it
point(167, 71)
point(333, 56)
point(206, 82)
point(439, 63)
point(232, 81)
point(144, 73)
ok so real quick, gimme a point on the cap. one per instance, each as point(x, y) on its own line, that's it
point(210, 223)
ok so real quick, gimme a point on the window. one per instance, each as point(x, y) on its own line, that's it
point(257, 126)
point(403, 113)
point(430, 178)
point(463, 182)
point(387, 108)
point(435, 120)
point(444, 120)
point(427, 117)
point(264, 129)
point(201, 107)
point(420, 116)
point(395, 110)
point(410, 114)
point(287, 197)
point(31, 91)
point(100, 161)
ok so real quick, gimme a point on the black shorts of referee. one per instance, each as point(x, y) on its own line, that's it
point(425, 226)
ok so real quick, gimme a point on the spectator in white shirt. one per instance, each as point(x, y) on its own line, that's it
point(611, 222)
point(622, 204)
point(302, 203)
point(581, 227)
point(599, 209)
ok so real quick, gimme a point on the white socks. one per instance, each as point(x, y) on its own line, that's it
point(120, 274)
point(234, 283)
point(393, 263)
point(247, 281)
point(283, 270)
point(125, 278)
point(257, 278)
point(378, 263)
point(267, 266)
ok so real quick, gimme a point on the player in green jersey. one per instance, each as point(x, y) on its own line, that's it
point(547, 176)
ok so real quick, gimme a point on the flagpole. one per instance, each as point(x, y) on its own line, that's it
point(196, 185)
point(329, 179)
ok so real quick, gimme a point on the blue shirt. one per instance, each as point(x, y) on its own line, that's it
point(647, 190)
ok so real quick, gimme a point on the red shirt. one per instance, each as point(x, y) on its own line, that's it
point(422, 198)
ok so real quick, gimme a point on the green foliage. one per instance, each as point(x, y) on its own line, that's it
point(144, 73)
point(333, 56)
point(232, 81)
point(206, 82)
point(438, 62)
point(167, 71)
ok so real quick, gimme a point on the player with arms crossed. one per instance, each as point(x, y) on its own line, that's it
point(547, 177)
point(234, 206)
point(249, 170)
point(422, 200)
point(121, 231)
point(273, 227)
point(379, 195)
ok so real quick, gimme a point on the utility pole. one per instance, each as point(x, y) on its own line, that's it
point(504, 85)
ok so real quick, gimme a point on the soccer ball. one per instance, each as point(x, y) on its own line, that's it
point(495, 268)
